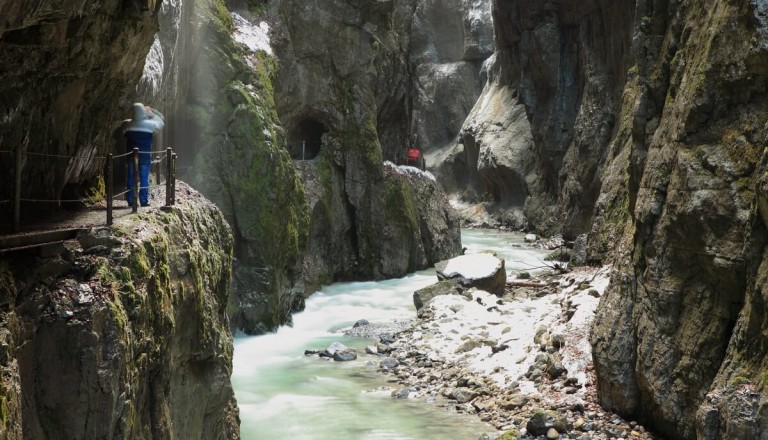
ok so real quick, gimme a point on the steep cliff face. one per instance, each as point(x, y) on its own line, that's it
point(536, 139)
point(227, 123)
point(448, 43)
point(680, 333)
point(416, 226)
point(67, 69)
point(642, 125)
point(122, 333)
point(348, 109)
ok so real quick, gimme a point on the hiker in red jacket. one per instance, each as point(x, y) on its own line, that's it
point(414, 158)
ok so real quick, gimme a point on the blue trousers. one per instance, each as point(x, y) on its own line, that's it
point(143, 183)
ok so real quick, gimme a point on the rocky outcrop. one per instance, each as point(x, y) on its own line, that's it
point(641, 124)
point(448, 44)
point(541, 131)
point(415, 201)
point(413, 64)
point(122, 333)
point(415, 225)
point(677, 337)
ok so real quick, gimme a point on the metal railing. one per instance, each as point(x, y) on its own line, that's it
point(167, 156)
point(312, 145)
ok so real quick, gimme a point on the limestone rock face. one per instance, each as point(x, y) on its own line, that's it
point(679, 333)
point(241, 163)
point(495, 158)
point(415, 201)
point(540, 132)
point(348, 109)
point(415, 225)
point(642, 125)
point(123, 334)
point(67, 70)
point(449, 42)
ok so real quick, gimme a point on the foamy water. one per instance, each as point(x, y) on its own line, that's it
point(283, 394)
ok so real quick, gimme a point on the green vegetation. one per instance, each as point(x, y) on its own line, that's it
point(402, 210)
point(512, 434)
point(247, 170)
point(97, 192)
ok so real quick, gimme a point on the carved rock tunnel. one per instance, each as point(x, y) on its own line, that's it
point(305, 139)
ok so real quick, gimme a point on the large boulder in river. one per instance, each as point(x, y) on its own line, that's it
point(483, 271)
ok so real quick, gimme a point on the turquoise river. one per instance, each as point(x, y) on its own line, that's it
point(283, 394)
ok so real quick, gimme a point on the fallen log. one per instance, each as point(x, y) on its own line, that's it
point(516, 283)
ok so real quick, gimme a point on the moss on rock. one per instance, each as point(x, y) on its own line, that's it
point(120, 342)
point(245, 169)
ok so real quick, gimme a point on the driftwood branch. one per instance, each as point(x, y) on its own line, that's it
point(520, 283)
point(560, 268)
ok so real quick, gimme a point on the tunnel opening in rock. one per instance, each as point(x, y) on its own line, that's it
point(306, 139)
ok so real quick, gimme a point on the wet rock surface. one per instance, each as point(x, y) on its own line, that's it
point(413, 225)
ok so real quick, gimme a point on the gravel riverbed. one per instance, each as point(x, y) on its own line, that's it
point(522, 363)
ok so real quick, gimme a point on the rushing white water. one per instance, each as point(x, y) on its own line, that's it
point(283, 394)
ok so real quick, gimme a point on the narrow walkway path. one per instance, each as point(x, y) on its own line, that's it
point(64, 223)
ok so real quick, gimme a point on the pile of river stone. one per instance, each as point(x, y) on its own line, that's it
point(552, 413)
point(559, 406)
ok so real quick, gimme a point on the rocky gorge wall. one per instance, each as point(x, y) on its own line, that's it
point(678, 335)
point(639, 126)
point(537, 138)
point(217, 95)
point(237, 158)
point(351, 105)
point(642, 126)
point(122, 333)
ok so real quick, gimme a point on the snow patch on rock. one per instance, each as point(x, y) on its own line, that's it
point(253, 36)
point(406, 169)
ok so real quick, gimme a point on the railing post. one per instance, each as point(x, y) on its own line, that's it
point(135, 183)
point(110, 188)
point(157, 170)
point(303, 150)
point(173, 177)
point(17, 191)
point(168, 154)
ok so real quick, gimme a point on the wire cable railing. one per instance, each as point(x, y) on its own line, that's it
point(166, 157)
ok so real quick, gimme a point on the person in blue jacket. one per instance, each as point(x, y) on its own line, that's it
point(139, 134)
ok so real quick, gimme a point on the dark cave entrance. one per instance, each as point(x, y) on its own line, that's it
point(306, 139)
